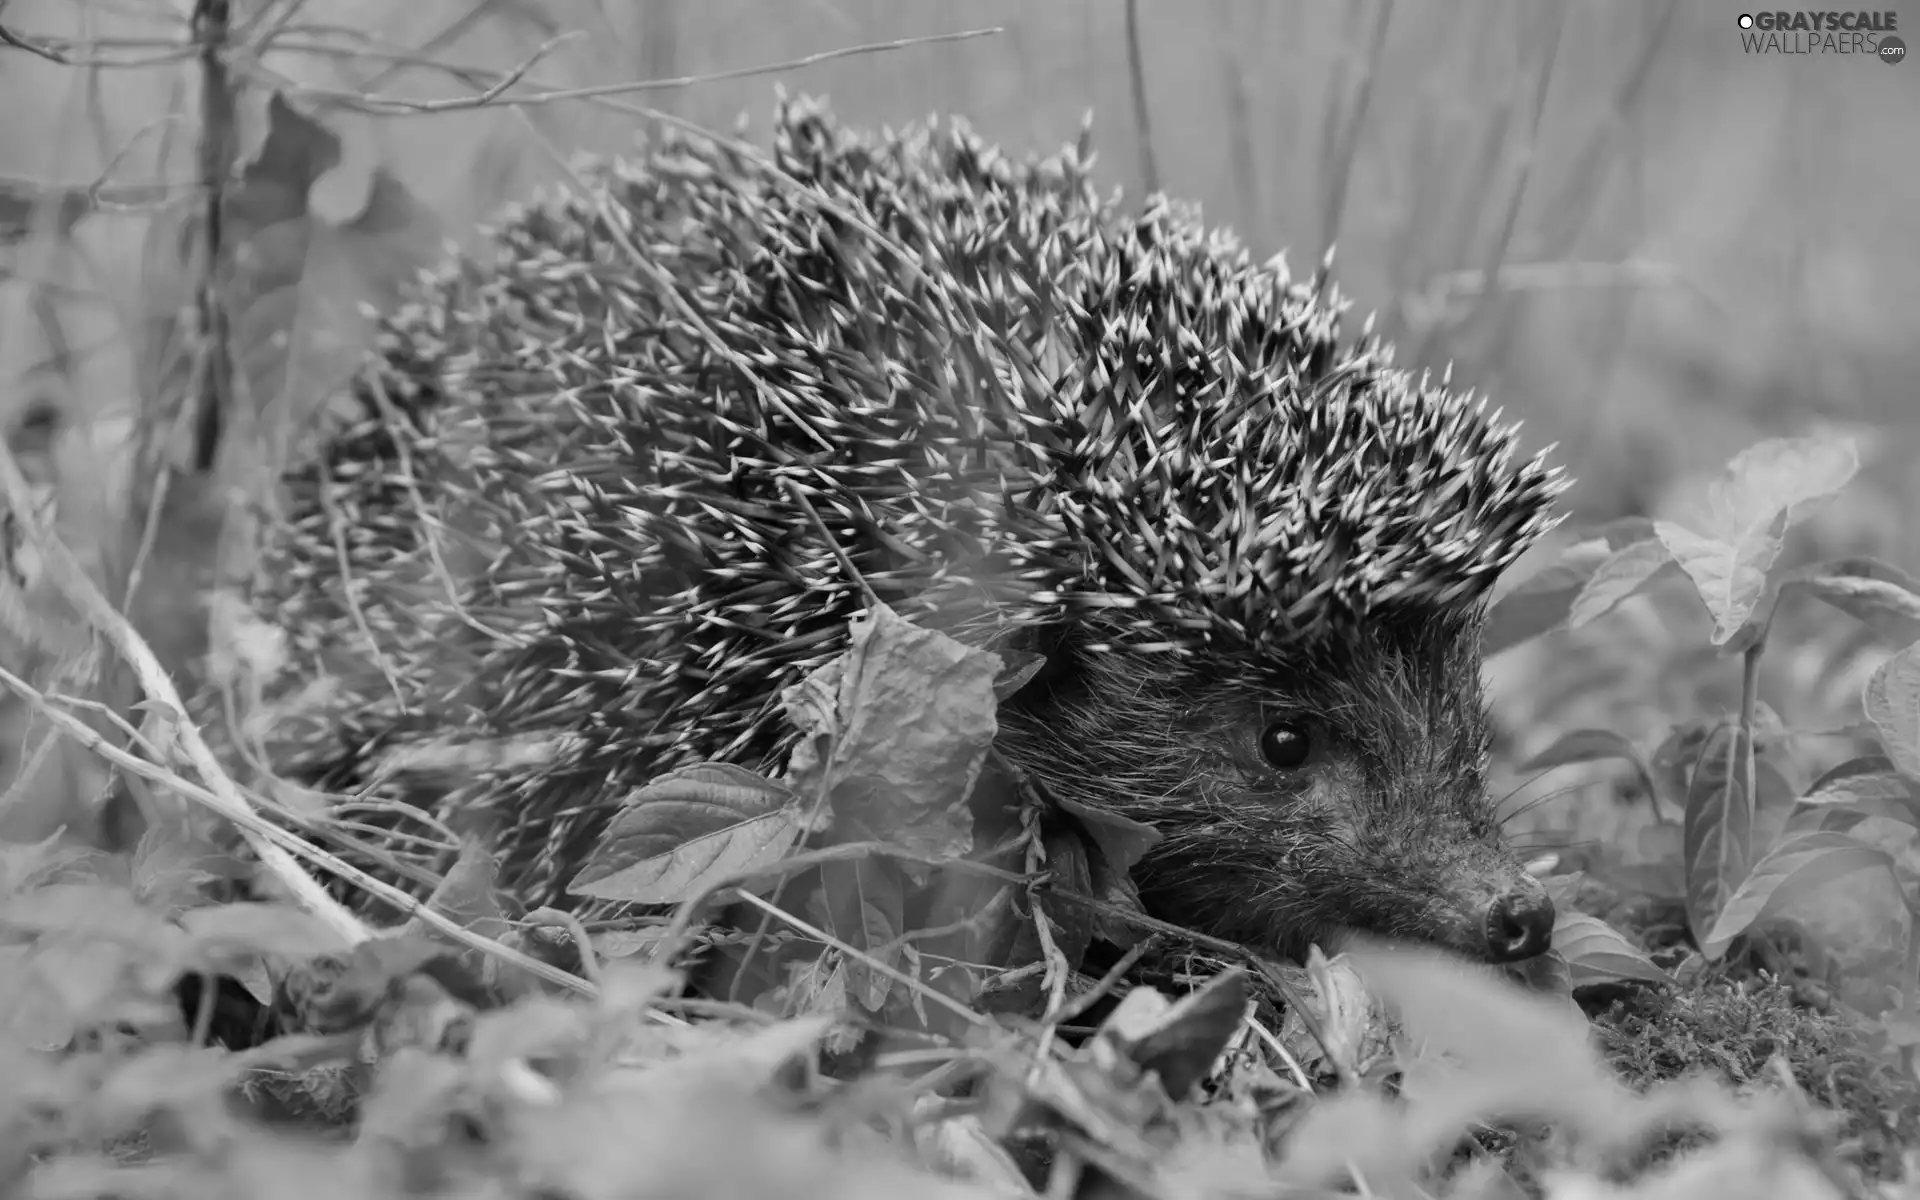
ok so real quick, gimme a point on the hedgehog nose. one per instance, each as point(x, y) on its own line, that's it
point(1519, 925)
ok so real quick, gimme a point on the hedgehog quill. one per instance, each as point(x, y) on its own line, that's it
point(558, 504)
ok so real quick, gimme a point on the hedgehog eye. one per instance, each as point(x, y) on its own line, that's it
point(1285, 745)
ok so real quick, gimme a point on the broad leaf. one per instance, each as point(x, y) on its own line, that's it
point(1591, 745)
point(1765, 490)
point(1117, 844)
point(866, 908)
point(1790, 477)
point(1624, 574)
point(1718, 826)
point(1069, 860)
point(1880, 596)
point(1674, 759)
point(224, 933)
point(817, 985)
point(688, 829)
point(1597, 953)
point(1773, 803)
point(33, 1014)
point(1540, 602)
point(1526, 1054)
point(1730, 576)
point(1657, 867)
point(89, 911)
point(1892, 702)
point(1123, 839)
point(1855, 790)
point(467, 894)
point(1179, 1042)
point(1785, 877)
point(25, 865)
point(625, 943)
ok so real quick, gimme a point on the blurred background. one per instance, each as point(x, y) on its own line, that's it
point(1651, 245)
point(1693, 243)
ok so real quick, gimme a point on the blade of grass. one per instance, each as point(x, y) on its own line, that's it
point(1142, 118)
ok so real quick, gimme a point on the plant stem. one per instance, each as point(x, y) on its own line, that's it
point(1910, 984)
point(1749, 701)
point(1143, 124)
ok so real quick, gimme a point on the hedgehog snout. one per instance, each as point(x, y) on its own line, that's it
point(1518, 923)
point(1446, 878)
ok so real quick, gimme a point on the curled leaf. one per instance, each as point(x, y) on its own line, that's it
point(1765, 490)
point(906, 715)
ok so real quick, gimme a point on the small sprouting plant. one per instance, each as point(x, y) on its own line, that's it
point(1751, 847)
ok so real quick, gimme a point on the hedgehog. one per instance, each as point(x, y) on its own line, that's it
point(612, 481)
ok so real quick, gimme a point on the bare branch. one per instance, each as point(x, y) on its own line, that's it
point(401, 106)
point(63, 51)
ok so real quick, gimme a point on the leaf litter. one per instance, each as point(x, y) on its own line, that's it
point(453, 1083)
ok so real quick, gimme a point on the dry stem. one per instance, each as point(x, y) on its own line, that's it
point(214, 365)
point(223, 795)
point(492, 97)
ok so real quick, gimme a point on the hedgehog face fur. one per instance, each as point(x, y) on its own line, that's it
point(1298, 801)
point(562, 494)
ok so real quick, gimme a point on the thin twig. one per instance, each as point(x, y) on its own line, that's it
point(1274, 974)
point(337, 531)
point(745, 150)
point(680, 927)
point(901, 977)
point(61, 52)
point(264, 29)
point(400, 106)
point(1087, 999)
point(1057, 969)
point(253, 826)
point(225, 796)
point(445, 36)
